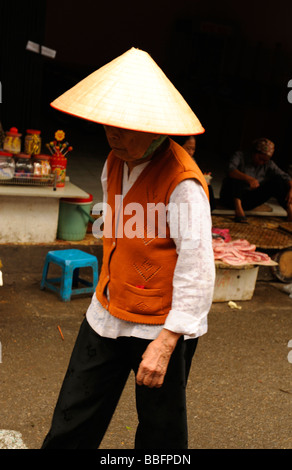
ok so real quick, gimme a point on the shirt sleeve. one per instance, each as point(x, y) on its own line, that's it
point(236, 162)
point(104, 182)
point(190, 224)
point(275, 170)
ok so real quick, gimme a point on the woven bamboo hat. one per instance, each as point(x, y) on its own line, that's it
point(131, 92)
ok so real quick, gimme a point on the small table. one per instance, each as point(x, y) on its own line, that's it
point(29, 214)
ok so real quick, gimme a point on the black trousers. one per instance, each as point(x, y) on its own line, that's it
point(96, 375)
point(251, 198)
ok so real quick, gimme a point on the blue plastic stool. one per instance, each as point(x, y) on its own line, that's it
point(70, 261)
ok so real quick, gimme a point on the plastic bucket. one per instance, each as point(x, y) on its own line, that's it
point(74, 215)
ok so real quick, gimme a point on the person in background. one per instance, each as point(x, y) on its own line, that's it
point(253, 178)
point(154, 292)
point(189, 143)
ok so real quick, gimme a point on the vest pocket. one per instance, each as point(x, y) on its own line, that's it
point(143, 301)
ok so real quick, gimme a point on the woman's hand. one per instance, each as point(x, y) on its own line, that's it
point(155, 359)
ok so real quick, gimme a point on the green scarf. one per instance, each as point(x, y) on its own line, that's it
point(153, 146)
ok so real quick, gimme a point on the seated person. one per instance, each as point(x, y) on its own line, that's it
point(189, 143)
point(253, 178)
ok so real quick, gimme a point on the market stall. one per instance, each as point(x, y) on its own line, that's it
point(31, 187)
point(241, 249)
point(30, 214)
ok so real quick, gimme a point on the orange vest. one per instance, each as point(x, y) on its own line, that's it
point(138, 271)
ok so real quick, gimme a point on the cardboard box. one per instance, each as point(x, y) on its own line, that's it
point(234, 282)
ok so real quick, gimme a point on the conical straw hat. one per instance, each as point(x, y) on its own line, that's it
point(131, 92)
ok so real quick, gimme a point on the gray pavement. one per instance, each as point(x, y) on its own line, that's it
point(240, 386)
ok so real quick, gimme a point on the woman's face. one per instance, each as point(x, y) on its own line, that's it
point(190, 146)
point(128, 145)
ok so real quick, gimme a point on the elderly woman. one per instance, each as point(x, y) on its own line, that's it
point(253, 178)
point(154, 292)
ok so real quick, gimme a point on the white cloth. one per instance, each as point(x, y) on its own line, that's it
point(194, 275)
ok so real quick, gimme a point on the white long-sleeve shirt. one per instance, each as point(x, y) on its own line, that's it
point(194, 275)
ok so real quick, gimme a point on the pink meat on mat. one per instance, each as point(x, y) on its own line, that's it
point(238, 252)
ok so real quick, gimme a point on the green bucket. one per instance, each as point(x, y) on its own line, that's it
point(74, 215)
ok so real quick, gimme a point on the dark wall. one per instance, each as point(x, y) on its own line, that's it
point(91, 32)
point(21, 71)
point(231, 60)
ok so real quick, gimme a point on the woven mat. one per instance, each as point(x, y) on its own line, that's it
point(262, 208)
point(286, 226)
point(266, 235)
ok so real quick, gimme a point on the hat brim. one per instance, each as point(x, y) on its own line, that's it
point(131, 92)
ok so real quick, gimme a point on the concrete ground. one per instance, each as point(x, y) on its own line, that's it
point(240, 386)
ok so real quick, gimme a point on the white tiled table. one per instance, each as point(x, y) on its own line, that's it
point(29, 214)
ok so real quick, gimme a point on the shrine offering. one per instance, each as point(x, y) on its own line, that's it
point(59, 165)
point(59, 150)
